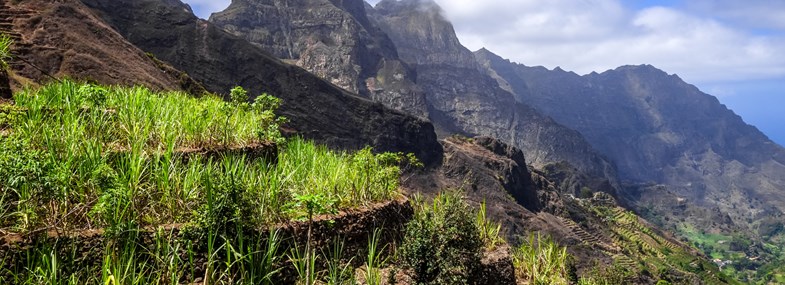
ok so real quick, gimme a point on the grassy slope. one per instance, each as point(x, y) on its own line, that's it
point(77, 156)
point(120, 155)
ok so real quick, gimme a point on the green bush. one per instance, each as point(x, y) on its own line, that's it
point(442, 244)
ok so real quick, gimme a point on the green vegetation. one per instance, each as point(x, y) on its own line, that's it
point(80, 155)
point(539, 260)
point(373, 262)
point(200, 190)
point(442, 243)
point(750, 261)
point(490, 232)
point(77, 156)
point(646, 251)
point(5, 50)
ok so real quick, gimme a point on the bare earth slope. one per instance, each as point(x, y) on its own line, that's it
point(64, 38)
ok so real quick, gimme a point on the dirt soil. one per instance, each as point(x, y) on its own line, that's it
point(63, 38)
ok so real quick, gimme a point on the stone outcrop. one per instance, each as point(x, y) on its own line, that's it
point(332, 39)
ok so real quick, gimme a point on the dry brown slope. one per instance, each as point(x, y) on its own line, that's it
point(64, 38)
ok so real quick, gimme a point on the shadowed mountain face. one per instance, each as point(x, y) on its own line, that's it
point(661, 130)
point(334, 40)
point(317, 109)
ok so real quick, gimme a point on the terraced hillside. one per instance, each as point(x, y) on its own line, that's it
point(635, 245)
point(141, 172)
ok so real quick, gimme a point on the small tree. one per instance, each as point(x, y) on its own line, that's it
point(314, 204)
point(238, 95)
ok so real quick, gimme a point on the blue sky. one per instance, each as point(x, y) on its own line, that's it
point(732, 49)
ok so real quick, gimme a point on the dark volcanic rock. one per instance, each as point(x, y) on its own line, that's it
point(332, 39)
point(487, 164)
point(683, 152)
point(488, 170)
point(317, 109)
point(462, 99)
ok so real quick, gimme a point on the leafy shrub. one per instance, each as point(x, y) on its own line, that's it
point(229, 207)
point(238, 95)
point(442, 244)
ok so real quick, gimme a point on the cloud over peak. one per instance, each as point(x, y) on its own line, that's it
point(596, 35)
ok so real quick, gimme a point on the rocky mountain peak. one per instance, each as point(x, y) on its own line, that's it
point(429, 37)
point(464, 100)
point(334, 39)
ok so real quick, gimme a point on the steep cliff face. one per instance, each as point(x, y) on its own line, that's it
point(332, 39)
point(660, 130)
point(421, 33)
point(317, 109)
point(462, 99)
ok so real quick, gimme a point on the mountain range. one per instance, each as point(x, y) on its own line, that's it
point(395, 76)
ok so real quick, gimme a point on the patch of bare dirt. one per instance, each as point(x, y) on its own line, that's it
point(63, 38)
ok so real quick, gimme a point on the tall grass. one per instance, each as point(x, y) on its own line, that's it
point(5, 50)
point(84, 156)
point(338, 271)
point(490, 231)
point(81, 155)
point(374, 262)
point(539, 260)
